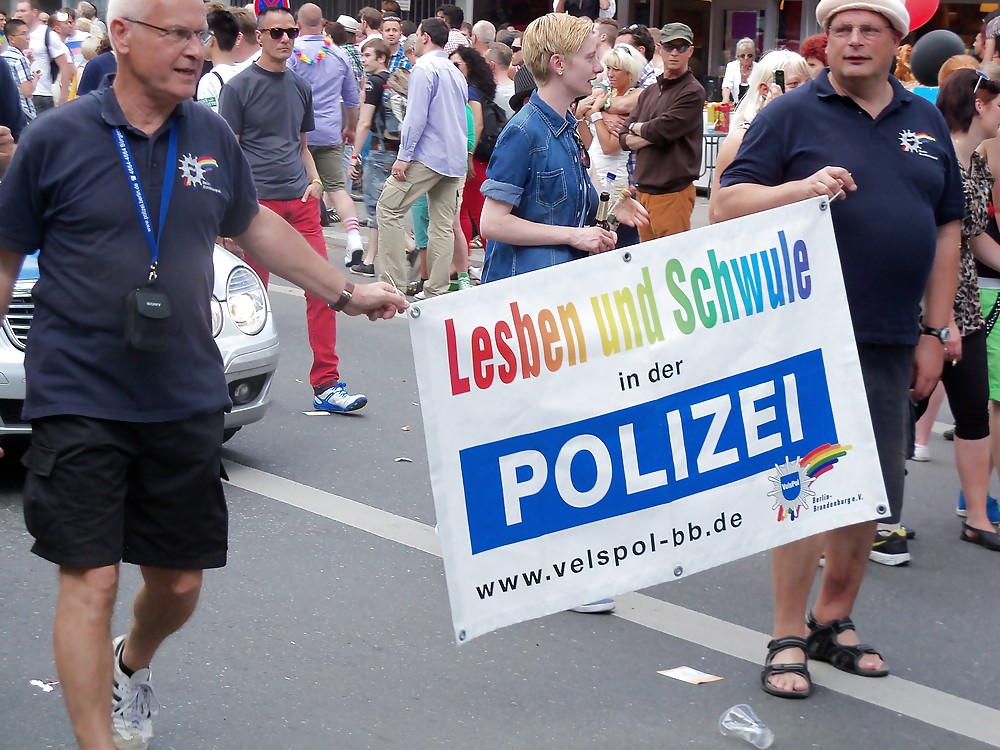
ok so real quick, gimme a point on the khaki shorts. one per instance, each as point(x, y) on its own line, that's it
point(330, 165)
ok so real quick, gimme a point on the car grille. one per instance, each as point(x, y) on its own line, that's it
point(19, 315)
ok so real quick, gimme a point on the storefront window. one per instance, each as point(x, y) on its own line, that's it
point(789, 25)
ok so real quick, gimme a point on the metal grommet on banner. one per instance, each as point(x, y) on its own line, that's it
point(823, 205)
point(627, 257)
point(414, 312)
point(882, 510)
point(461, 635)
point(678, 571)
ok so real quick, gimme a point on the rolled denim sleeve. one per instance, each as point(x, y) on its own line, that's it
point(510, 170)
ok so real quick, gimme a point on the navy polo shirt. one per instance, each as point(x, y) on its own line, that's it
point(908, 182)
point(75, 205)
point(102, 66)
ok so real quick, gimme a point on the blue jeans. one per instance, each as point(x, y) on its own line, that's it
point(378, 167)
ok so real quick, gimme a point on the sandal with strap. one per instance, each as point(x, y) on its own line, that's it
point(800, 668)
point(823, 646)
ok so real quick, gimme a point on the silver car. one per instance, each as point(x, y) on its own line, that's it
point(242, 324)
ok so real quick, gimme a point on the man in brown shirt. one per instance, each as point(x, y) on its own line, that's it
point(665, 131)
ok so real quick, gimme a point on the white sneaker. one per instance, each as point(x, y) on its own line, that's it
point(921, 452)
point(594, 608)
point(355, 252)
point(133, 705)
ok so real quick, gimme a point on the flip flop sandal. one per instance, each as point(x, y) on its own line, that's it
point(987, 539)
point(800, 668)
point(823, 646)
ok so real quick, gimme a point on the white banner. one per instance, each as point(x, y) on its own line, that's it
point(635, 417)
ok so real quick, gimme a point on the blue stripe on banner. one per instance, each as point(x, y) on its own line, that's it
point(528, 486)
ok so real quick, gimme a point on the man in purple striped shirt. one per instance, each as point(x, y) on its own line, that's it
point(433, 157)
point(336, 99)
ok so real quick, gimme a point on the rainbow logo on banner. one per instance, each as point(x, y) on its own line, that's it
point(261, 4)
point(792, 481)
point(821, 460)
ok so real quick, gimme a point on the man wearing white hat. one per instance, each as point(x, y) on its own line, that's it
point(851, 135)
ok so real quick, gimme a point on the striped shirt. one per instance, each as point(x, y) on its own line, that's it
point(21, 69)
point(355, 57)
point(398, 60)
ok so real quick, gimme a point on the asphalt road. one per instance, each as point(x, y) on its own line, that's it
point(330, 627)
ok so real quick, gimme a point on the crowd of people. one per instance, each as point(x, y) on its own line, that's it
point(473, 134)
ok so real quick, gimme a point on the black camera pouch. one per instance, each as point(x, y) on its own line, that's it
point(147, 319)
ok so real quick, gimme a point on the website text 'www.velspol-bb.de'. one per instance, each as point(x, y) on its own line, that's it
point(615, 556)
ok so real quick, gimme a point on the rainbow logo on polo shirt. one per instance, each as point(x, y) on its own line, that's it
point(193, 169)
point(913, 143)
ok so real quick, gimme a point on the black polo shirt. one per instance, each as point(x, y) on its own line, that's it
point(908, 182)
point(75, 205)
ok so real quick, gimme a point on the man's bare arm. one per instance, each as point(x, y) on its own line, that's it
point(274, 243)
point(939, 297)
point(749, 198)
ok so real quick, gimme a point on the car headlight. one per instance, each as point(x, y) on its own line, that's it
point(217, 317)
point(246, 300)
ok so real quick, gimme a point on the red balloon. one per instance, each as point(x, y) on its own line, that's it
point(921, 11)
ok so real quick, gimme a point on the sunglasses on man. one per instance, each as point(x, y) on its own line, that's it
point(277, 33)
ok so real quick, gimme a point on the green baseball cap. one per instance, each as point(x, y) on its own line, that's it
point(672, 31)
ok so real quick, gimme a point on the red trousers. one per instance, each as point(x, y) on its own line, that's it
point(472, 200)
point(320, 319)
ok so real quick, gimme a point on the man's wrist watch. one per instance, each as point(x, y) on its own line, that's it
point(941, 334)
point(345, 297)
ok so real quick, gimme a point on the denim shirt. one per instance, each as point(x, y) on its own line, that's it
point(536, 168)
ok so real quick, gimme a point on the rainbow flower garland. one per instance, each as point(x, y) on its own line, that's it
point(302, 58)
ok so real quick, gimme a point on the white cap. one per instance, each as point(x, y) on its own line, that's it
point(893, 10)
point(349, 22)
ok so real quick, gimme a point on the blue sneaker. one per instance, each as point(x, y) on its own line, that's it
point(338, 400)
point(992, 510)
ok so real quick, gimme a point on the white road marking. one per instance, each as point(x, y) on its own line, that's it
point(934, 707)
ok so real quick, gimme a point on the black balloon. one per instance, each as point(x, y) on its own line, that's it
point(930, 53)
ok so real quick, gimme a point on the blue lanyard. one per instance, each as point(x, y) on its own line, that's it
point(140, 198)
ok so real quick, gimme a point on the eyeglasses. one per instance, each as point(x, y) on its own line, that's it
point(515, 49)
point(276, 33)
point(745, 56)
point(980, 77)
point(177, 34)
point(846, 31)
point(671, 47)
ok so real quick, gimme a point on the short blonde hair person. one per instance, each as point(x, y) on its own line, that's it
point(746, 43)
point(763, 72)
point(627, 58)
point(552, 34)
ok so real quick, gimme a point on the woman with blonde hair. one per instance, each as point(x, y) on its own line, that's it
point(623, 65)
point(540, 203)
point(736, 81)
point(762, 90)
